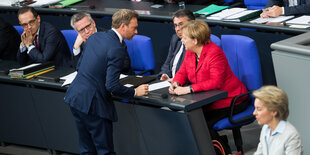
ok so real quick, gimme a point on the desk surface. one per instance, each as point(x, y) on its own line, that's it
point(108, 7)
point(185, 102)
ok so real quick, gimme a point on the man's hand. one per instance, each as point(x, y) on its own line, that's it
point(142, 90)
point(164, 77)
point(274, 11)
point(78, 42)
point(27, 38)
point(172, 87)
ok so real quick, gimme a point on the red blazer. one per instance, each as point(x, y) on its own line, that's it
point(212, 72)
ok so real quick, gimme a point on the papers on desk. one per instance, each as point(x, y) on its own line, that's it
point(302, 20)
point(278, 19)
point(41, 3)
point(159, 85)
point(7, 2)
point(226, 13)
point(243, 15)
point(68, 78)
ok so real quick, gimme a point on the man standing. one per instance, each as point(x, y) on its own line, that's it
point(275, 8)
point(90, 94)
point(40, 41)
point(176, 50)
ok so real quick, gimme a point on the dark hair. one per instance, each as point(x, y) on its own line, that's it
point(184, 13)
point(25, 9)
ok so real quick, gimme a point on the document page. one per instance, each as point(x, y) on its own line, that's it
point(226, 13)
point(68, 78)
point(278, 19)
point(159, 85)
point(302, 20)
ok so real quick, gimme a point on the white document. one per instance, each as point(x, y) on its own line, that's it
point(25, 67)
point(226, 13)
point(121, 76)
point(40, 3)
point(159, 85)
point(278, 19)
point(68, 78)
point(7, 2)
point(302, 20)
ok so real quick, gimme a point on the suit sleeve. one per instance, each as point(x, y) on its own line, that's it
point(50, 49)
point(115, 64)
point(271, 3)
point(298, 10)
point(217, 69)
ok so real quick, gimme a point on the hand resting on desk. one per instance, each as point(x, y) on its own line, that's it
point(175, 88)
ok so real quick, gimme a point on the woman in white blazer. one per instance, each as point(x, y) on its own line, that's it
point(278, 136)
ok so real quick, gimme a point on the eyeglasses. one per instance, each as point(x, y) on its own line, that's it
point(178, 25)
point(87, 27)
point(31, 23)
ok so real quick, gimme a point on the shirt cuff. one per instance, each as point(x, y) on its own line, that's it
point(283, 11)
point(76, 51)
point(22, 49)
point(30, 47)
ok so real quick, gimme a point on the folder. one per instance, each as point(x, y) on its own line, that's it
point(302, 20)
point(135, 81)
point(211, 9)
point(225, 13)
point(23, 72)
point(244, 15)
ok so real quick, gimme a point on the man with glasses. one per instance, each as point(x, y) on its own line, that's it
point(85, 26)
point(40, 41)
point(176, 50)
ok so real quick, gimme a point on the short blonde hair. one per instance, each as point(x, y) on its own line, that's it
point(197, 29)
point(275, 99)
point(123, 16)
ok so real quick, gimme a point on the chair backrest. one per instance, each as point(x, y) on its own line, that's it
point(216, 40)
point(70, 36)
point(19, 29)
point(255, 4)
point(141, 54)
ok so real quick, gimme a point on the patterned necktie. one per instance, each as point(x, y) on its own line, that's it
point(126, 68)
point(36, 42)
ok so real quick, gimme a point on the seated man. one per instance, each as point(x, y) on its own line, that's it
point(41, 41)
point(176, 50)
point(275, 8)
point(85, 26)
point(9, 41)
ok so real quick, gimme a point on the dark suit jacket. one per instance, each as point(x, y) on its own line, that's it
point(76, 58)
point(98, 77)
point(302, 8)
point(175, 45)
point(9, 41)
point(211, 72)
point(52, 47)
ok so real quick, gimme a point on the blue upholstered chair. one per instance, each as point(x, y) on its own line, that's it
point(216, 40)
point(141, 54)
point(243, 59)
point(70, 36)
point(19, 29)
point(255, 4)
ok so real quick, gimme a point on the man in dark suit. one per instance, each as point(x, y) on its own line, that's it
point(176, 49)
point(9, 41)
point(90, 94)
point(275, 8)
point(41, 41)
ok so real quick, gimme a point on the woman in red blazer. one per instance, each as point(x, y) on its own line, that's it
point(206, 67)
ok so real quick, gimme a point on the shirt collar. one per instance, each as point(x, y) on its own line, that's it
point(279, 129)
point(119, 36)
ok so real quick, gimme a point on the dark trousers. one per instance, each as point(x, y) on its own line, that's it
point(95, 134)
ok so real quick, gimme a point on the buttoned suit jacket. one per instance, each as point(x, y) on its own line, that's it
point(52, 47)
point(302, 8)
point(98, 77)
point(212, 72)
point(9, 41)
point(175, 45)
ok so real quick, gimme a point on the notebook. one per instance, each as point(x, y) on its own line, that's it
point(135, 81)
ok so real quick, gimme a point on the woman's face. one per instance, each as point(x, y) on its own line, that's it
point(262, 114)
point(189, 43)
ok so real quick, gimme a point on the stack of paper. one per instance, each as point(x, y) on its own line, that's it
point(211, 9)
point(31, 70)
point(278, 19)
point(302, 20)
point(243, 15)
point(226, 13)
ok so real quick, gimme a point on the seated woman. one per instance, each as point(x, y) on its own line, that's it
point(206, 67)
point(278, 136)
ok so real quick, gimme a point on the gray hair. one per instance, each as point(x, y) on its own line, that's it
point(78, 16)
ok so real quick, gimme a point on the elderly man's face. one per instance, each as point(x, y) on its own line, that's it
point(85, 27)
